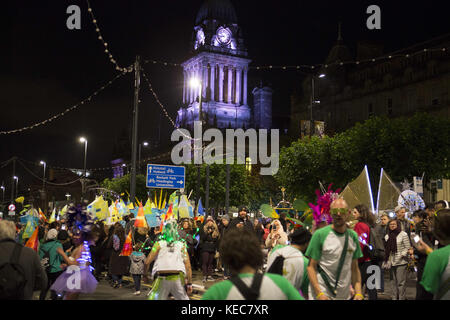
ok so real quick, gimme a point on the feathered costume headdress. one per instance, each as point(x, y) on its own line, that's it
point(79, 220)
point(321, 211)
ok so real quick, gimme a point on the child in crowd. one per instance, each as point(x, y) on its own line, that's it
point(137, 266)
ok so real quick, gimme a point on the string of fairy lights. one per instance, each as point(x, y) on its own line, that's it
point(104, 43)
point(82, 102)
point(164, 110)
point(301, 67)
point(273, 67)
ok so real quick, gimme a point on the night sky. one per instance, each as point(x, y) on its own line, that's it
point(46, 68)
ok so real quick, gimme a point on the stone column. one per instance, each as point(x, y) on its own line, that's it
point(230, 84)
point(191, 90)
point(197, 75)
point(221, 79)
point(204, 79)
point(244, 93)
point(238, 85)
point(184, 86)
point(212, 84)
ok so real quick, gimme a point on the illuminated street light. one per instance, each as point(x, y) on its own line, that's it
point(84, 140)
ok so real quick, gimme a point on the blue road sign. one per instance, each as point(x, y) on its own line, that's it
point(167, 177)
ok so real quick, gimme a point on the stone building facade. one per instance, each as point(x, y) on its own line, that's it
point(393, 87)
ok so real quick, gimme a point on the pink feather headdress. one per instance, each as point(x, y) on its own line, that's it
point(321, 211)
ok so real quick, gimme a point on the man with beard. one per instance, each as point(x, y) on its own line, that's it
point(243, 220)
point(334, 252)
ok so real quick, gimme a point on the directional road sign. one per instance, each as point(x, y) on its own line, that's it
point(167, 177)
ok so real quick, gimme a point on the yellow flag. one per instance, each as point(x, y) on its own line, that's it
point(53, 216)
point(275, 214)
point(20, 199)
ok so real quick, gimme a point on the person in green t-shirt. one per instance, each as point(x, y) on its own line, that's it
point(436, 275)
point(240, 250)
point(331, 273)
point(56, 258)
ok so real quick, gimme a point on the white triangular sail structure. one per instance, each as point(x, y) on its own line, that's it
point(359, 191)
point(388, 193)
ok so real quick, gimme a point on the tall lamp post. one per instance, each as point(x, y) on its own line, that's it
point(197, 83)
point(313, 101)
point(145, 144)
point(43, 181)
point(16, 179)
point(3, 189)
point(84, 140)
point(44, 198)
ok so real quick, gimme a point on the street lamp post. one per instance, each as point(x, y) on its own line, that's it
point(84, 140)
point(196, 83)
point(145, 144)
point(44, 197)
point(313, 101)
point(43, 181)
point(17, 186)
point(3, 189)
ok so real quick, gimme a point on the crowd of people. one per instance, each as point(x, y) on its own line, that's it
point(248, 258)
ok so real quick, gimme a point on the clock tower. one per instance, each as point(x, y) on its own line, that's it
point(220, 62)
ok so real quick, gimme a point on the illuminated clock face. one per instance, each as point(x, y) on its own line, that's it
point(224, 36)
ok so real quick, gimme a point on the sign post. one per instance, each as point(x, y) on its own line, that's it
point(165, 177)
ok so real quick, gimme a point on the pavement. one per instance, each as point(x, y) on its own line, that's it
point(104, 290)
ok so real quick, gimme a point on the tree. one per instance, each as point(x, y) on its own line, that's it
point(239, 185)
point(404, 147)
point(122, 186)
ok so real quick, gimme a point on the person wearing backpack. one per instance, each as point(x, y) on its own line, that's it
point(52, 256)
point(20, 267)
point(333, 258)
point(240, 250)
point(289, 261)
point(364, 229)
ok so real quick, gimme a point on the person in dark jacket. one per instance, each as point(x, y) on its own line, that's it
point(186, 233)
point(421, 230)
point(118, 265)
point(224, 226)
point(97, 250)
point(242, 220)
point(35, 276)
point(209, 239)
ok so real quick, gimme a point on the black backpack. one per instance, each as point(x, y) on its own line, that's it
point(45, 261)
point(376, 249)
point(12, 277)
point(277, 265)
point(252, 292)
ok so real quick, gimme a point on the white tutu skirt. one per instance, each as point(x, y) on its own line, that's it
point(82, 282)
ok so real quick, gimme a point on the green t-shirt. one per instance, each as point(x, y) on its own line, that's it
point(437, 272)
point(55, 257)
point(273, 287)
point(326, 246)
